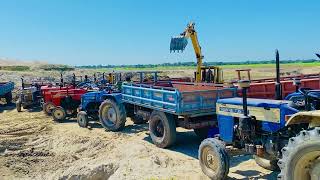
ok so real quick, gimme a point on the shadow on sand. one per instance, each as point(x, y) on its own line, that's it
point(135, 128)
point(12, 106)
point(7, 107)
point(188, 143)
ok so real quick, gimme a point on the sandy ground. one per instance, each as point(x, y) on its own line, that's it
point(32, 146)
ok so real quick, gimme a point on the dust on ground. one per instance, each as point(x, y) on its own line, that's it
point(32, 146)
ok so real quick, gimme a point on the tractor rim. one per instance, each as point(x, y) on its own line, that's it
point(210, 159)
point(58, 113)
point(307, 166)
point(159, 128)
point(109, 115)
point(49, 107)
point(81, 119)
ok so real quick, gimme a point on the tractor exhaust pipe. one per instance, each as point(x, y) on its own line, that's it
point(297, 83)
point(245, 121)
point(94, 77)
point(61, 80)
point(244, 85)
point(22, 83)
point(74, 80)
point(278, 83)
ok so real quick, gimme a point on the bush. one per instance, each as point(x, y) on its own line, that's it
point(56, 67)
point(15, 68)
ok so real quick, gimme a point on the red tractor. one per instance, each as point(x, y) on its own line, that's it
point(63, 102)
point(48, 105)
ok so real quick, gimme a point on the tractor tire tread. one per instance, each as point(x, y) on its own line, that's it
point(295, 145)
point(219, 148)
point(169, 129)
point(121, 115)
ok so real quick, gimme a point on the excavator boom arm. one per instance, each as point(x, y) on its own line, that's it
point(179, 44)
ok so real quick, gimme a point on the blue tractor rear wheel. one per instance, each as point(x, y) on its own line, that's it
point(301, 157)
point(112, 115)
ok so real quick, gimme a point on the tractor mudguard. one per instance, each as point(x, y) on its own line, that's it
point(117, 97)
point(310, 117)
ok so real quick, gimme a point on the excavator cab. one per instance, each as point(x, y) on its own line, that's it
point(211, 74)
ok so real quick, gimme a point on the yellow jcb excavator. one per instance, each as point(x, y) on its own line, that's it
point(210, 74)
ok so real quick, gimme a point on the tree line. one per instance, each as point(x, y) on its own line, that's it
point(194, 64)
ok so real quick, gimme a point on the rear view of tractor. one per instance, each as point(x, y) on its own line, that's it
point(209, 74)
point(29, 96)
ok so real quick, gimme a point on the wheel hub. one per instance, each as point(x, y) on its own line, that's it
point(308, 166)
point(81, 120)
point(210, 159)
point(112, 115)
point(109, 116)
point(315, 170)
point(58, 114)
point(49, 107)
point(159, 129)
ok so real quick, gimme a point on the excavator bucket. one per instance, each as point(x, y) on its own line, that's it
point(178, 44)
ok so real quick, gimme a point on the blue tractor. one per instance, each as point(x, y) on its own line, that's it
point(106, 106)
point(93, 101)
point(280, 134)
point(276, 132)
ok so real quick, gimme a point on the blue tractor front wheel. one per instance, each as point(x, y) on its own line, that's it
point(214, 159)
point(82, 119)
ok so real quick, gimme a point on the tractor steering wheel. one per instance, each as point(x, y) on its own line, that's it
point(312, 98)
point(304, 91)
point(86, 85)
